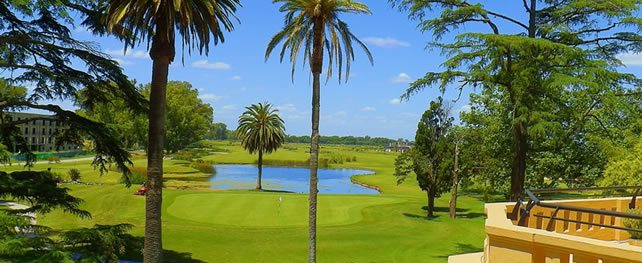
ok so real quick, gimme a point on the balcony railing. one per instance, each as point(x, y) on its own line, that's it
point(540, 230)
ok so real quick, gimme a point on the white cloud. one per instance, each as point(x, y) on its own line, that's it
point(209, 96)
point(131, 53)
point(395, 101)
point(210, 65)
point(229, 107)
point(122, 61)
point(286, 107)
point(631, 59)
point(235, 78)
point(465, 108)
point(386, 42)
point(402, 78)
point(368, 108)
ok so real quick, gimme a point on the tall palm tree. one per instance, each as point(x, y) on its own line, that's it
point(314, 25)
point(198, 22)
point(261, 130)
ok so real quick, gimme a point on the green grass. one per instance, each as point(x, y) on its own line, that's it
point(249, 226)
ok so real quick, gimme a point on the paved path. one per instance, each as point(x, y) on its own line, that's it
point(13, 205)
point(61, 161)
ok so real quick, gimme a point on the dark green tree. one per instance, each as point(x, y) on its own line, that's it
point(22, 240)
point(261, 130)
point(217, 131)
point(431, 159)
point(559, 46)
point(37, 50)
point(315, 26)
point(187, 117)
point(127, 125)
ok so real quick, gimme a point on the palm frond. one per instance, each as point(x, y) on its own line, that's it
point(198, 22)
point(296, 35)
point(261, 129)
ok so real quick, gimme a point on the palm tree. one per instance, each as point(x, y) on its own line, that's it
point(198, 22)
point(314, 25)
point(261, 130)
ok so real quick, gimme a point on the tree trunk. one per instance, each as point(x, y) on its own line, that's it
point(431, 202)
point(453, 189)
point(258, 180)
point(520, 128)
point(162, 54)
point(316, 64)
point(520, 148)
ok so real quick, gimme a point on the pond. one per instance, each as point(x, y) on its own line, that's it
point(290, 179)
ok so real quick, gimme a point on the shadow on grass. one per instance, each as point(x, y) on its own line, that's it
point(272, 191)
point(424, 217)
point(135, 250)
point(462, 249)
point(461, 212)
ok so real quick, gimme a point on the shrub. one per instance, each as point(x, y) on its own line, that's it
point(53, 159)
point(189, 155)
point(56, 177)
point(203, 166)
point(323, 163)
point(74, 175)
point(289, 148)
point(634, 224)
point(354, 158)
point(286, 163)
point(138, 175)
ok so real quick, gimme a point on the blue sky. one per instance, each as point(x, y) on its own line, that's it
point(235, 74)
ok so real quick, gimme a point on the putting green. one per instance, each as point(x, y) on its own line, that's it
point(263, 209)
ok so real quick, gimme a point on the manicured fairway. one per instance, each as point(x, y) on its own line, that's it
point(201, 225)
point(263, 209)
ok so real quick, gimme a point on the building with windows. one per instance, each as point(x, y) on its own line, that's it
point(40, 133)
point(401, 147)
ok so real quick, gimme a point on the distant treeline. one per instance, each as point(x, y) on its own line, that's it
point(219, 131)
point(344, 140)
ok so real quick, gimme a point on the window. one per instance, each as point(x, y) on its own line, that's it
point(43, 131)
point(18, 118)
point(43, 122)
point(33, 131)
point(49, 140)
point(34, 122)
point(33, 140)
point(49, 131)
point(26, 130)
point(10, 118)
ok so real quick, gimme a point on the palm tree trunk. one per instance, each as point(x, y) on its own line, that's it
point(258, 180)
point(154, 198)
point(316, 66)
point(162, 54)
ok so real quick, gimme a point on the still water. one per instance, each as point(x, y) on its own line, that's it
point(290, 179)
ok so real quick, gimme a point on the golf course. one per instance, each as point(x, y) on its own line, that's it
point(205, 225)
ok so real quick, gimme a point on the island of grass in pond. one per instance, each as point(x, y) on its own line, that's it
point(289, 179)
